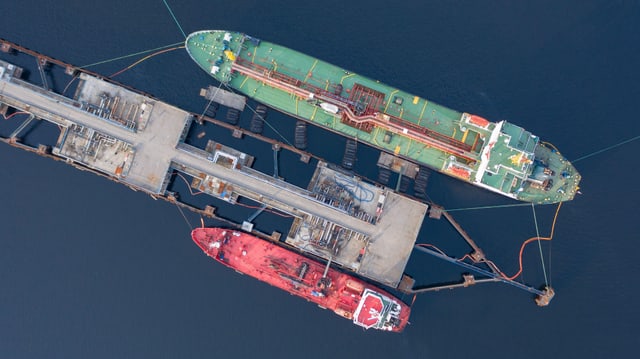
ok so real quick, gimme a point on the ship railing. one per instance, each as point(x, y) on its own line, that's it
point(184, 147)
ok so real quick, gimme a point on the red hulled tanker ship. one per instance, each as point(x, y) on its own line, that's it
point(349, 297)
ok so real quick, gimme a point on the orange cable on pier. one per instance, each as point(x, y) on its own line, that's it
point(188, 185)
point(15, 113)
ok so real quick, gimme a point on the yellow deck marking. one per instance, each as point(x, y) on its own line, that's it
point(390, 97)
point(296, 105)
point(310, 70)
point(422, 112)
point(408, 146)
point(344, 77)
point(375, 134)
point(464, 137)
point(397, 150)
point(454, 133)
point(314, 113)
point(243, 81)
point(415, 100)
point(475, 141)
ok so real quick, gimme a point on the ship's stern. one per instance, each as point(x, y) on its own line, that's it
point(553, 178)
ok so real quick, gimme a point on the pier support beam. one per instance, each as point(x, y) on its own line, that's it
point(544, 295)
point(276, 149)
point(21, 128)
point(399, 181)
point(477, 255)
point(407, 284)
point(42, 62)
point(256, 213)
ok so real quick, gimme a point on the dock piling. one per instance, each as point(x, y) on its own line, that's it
point(544, 299)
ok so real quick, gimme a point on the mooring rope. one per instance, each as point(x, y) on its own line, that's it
point(535, 220)
point(264, 120)
point(184, 216)
point(574, 161)
point(606, 149)
point(145, 58)
point(174, 18)
point(487, 207)
point(131, 55)
point(524, 244)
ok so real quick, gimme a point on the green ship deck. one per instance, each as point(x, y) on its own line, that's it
point(500, 157)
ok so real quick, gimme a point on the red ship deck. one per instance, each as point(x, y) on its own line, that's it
point(349, 297)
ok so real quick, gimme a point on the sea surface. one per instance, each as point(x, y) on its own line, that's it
point(91, 269)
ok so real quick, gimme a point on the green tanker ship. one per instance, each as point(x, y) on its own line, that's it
point(498, 156)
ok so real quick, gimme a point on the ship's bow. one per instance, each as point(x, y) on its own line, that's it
point(208, 239)
point(214, 51)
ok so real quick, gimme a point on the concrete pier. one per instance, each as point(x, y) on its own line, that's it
point(138, 141)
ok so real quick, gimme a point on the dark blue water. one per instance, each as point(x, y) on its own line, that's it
point(89, 268)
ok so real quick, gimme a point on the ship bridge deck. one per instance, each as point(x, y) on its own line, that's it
point(139, 141)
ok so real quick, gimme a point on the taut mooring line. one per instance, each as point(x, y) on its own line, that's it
point(174, 18)
point(606, 149)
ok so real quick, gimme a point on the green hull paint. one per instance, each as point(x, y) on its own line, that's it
point(500, 157)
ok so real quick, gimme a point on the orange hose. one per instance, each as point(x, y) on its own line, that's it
point(145, 58)
point(524, 244)
point(278, 213)
point(15, 113)
point(188, 185)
